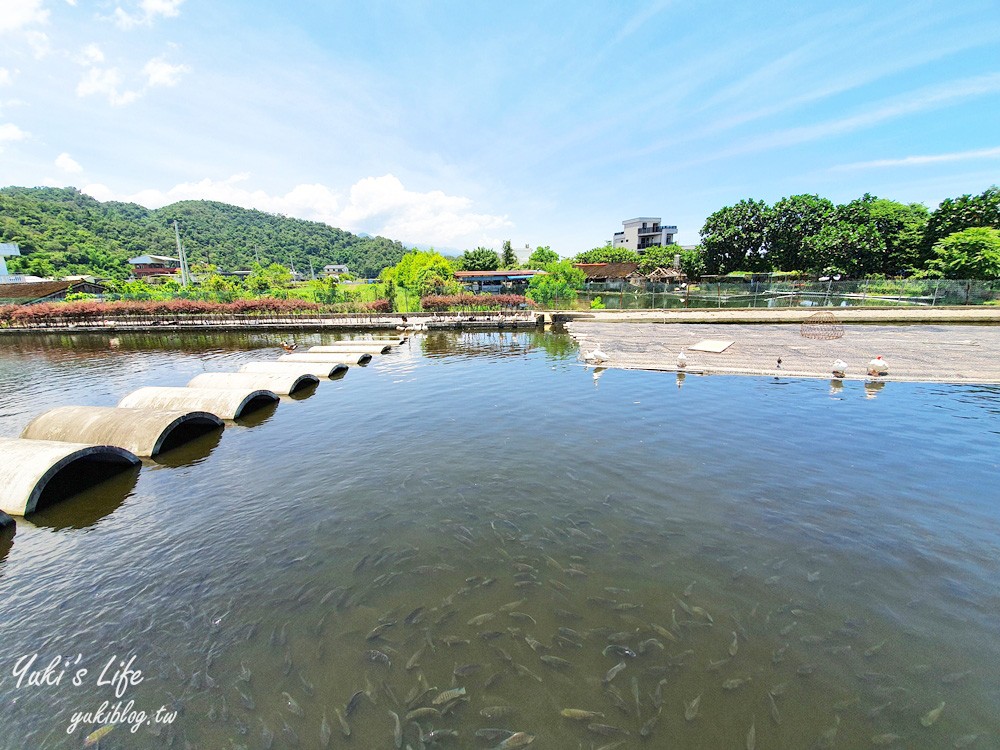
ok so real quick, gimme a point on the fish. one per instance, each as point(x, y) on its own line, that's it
point(465, 670)
point(289, 734)
point(775, 715)
point(266, 736)
point(377, 631)
point(635, 694)
point(448, 695)
point(736, 682)
point(608, 730)
point(481, 619)
point(613, 672)
point(415, 616)
point(647, 728)
point(397, 731)
point(414, 661)
point(292, 705)
point(579, 714)
point(491, 734)
point(436, 735)
point(826, 739)
point(647, 644)
point(951, 679)
point(735, 645)
point(752, 736)
point(965, 740)
point(512, 605)
point(325, 732)
point(870, 652)
point(425, 712)
point(556, 662)
point(523, 671)
point(378, 657)
point(98, 734)
point(518, 739)
point(353, 703)
point(245, 674)
point(522, 616)
point(663, 632)
point(619, 650)
point(888, 738)
point(345, 728)
point(691, 708)
point(931, 716)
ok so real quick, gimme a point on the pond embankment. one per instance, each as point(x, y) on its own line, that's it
point(953, 348)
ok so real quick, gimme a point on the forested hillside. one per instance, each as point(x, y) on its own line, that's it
point(62, 231)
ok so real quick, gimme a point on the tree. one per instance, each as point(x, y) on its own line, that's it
point(480, 259)
point(973, 253)
point(558, 285)
point(657, 257)
point(608, 254)
point(508, 259)
point(261, 279)
point(845, 248)
point(542, 257)
point(735, 238)
point(420, 269)
point(792, 220)
point(965, 212)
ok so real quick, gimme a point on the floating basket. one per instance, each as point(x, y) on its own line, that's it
point(822, 325)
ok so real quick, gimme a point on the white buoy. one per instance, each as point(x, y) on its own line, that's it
point(839, 368)
point(878, 367)
point(682, 361)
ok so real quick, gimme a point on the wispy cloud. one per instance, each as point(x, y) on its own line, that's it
point(106, 82)
point(159, 72)
point(146, 13)
point(378, 205)
point(6, 77)
point(641, 19)
point(917, 161)
point(16, 14)
point(931, 97)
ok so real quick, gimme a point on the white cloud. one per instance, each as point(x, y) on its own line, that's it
point(377, 205)
point(916, 161)
point(147, 12)
point(16, 14)
point(6, 77)
point(11, 132)
point(39, 43)
point(432, 217)
point(91, 55)
point(67, 163)
point(106, 82)
point(159, 72)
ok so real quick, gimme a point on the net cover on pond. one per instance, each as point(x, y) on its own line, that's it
point(822, 325)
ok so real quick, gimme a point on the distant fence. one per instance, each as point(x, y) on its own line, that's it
point(739, 294)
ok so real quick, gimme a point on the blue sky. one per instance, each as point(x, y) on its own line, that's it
point(456, 124)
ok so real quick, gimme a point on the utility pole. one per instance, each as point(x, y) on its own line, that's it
point(312, 273)
point(185, 273)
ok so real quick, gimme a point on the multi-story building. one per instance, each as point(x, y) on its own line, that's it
point(154, 265)
point(643, 232)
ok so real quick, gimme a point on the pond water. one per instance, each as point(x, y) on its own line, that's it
point(703, 563)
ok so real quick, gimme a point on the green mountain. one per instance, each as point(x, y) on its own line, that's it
point(61, 231)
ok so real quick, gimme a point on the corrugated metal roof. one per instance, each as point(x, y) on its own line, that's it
point(505, 274)
point(607, 270)
point(38, 290)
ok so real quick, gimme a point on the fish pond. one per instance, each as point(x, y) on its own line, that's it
point(476, 542)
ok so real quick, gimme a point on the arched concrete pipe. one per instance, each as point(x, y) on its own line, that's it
point(36, 472)
point(283, 385)
point(309, 368)
point(223, 403)
point(144, 432)
point(346, 358)
point(372, 347)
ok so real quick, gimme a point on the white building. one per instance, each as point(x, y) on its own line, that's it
point(335, 269)
point(643, 232)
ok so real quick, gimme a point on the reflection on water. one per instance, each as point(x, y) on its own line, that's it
point(190, 453)
point(6, 541)
point(467, 536)
point(84, 509)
